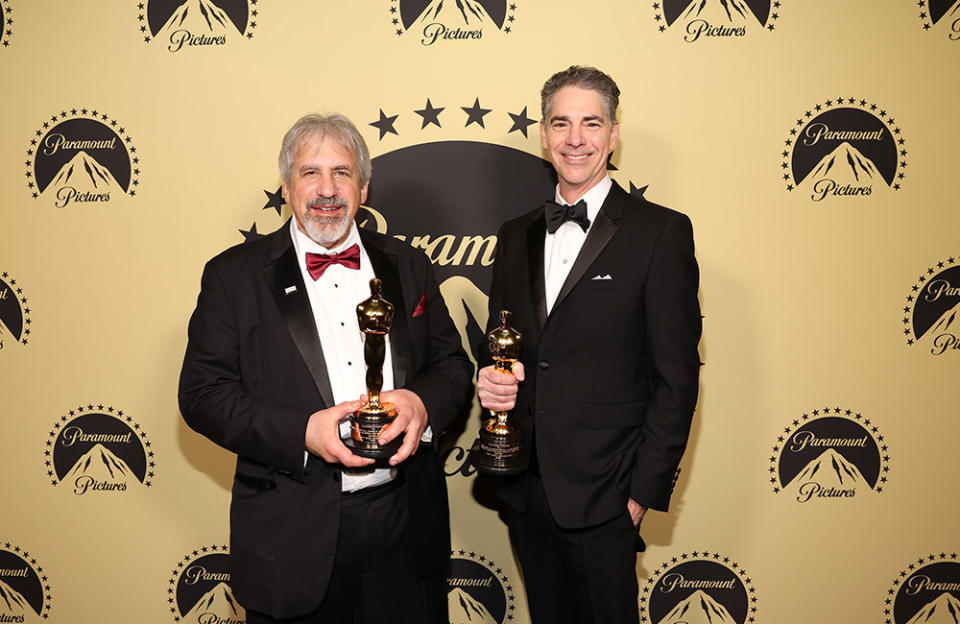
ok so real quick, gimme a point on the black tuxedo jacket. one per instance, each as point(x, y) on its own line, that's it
point(612, 372)
point(254, 372)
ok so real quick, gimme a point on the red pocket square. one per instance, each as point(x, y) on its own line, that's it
point(421, 306)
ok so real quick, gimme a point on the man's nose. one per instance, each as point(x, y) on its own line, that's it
point(575, 136)
point(327, 186)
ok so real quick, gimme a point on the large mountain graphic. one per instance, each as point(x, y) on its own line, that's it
point(946, 324)
point(944, 609)
point(84, 173)
point(719, 12)
point(198, 17)
point(830, 469)
point(218, 601)
point(698, 608)
point(101, 464)
point(465, 609)
point(467, 12)
point(845, 165)
point(12, 602)
point(940, 8)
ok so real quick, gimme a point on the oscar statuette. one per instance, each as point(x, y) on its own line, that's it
point(375, 316)
point(498, 451)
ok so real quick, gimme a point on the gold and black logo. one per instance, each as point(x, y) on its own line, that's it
point(14, 313)
point(446, 21)
point(926, 590)
point(25, 594)
point(847, 148)
point(478, 591)
point(699, 587)
point(82, 157)
point(700, 20)
point(199, 589)
point(829, 455)
point(941, 15)
point(6, 24)
point(180, 25)
point(931, 318)
point(96, 449)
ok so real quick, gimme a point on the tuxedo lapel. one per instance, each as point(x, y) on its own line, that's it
point(536, 232)
point(282, 272)
point(385, 268)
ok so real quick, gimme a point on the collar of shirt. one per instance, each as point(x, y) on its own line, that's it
point(594, 199)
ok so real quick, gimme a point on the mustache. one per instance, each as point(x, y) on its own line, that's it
point(328, 202)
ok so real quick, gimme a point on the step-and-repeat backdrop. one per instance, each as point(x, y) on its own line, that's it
point(814, 145)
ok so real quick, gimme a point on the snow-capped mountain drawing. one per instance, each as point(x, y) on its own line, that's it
point(830, 469)
point(944, 609)
point(946, 324)
point(467, 12)
point(718, 12)
point(218, 601)
point(698, 608)
point(197, 16)
point(101, 464)
point(845, 165)
point(12, 602)
point(84, 173)
point(464, 609)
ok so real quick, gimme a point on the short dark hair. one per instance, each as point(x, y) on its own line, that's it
point(585, 78)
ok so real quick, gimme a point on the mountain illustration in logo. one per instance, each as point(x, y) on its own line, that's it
point(941, 8)
point(101, 464)
point(468, 12)
point(197, 16)
point(830, 469)
point(219, 601)
point(944, 324)
point(464, 609)
point(12, 602)
point(84, 173)
point(698, 608)
point(945, 609)
point(718, 11)
point(845, 165)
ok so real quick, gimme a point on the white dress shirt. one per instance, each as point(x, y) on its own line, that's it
point(561, 248)
point(334, 298)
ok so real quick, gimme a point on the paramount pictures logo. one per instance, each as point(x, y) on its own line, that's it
point(927, 591)
point(932, 315)
point(6, 24)
point(183, 24)
point(829, 455)
point(199, 589)
point(478, 592)
point(698, 587)
point(843, 148)
point(941, 15)
point(14, 314)
point(97, 449)
point(451, 20)
point(24, 588)
point(82, 156)
point(699, 20)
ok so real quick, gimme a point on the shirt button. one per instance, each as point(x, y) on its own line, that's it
point(564, 261)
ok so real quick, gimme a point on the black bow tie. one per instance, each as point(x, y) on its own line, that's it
point(558, 214)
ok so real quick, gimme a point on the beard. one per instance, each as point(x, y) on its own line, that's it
point(326, 231)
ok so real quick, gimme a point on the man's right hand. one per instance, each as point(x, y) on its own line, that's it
point(498, 390)
point(323, 436)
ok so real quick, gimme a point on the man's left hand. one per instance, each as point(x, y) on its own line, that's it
point(637, 512)
point(411, 418)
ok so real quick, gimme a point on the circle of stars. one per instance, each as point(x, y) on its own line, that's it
point(22, 302)
point(497, 573)
point(6, 27)
point(97, 116)
point(733, 566)
point(662, 22)
point(398, 30)
point(873, 109)
point(38, 571)
point(142, 19)
point(182, 565)
point(866, 423)
point(97, 409)
point(915, 293)
point(902, 577)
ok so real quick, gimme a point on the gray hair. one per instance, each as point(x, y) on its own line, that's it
point(585, 78)
point(315, 126)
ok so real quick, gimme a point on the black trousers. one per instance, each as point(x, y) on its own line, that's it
point(374, 579)
point(575, 576)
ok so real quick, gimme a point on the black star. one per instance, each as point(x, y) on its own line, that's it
point(521, 122)
point(385, 124)
point(251, 234)
point(274, 200)
point(638, 191)
point(430, 115)
point(475, 113)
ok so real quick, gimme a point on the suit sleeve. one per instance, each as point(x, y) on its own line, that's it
point(445, 384)
point(673, 327)
point(214, 399)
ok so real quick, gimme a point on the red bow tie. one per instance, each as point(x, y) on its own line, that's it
point(318, 263)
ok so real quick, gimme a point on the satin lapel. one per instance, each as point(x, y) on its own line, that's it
point(286, 285)
point(536, 232)
point(600, 234)
point(385, 267)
